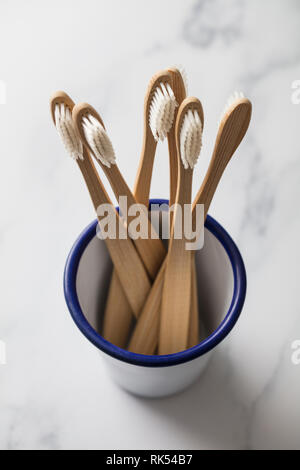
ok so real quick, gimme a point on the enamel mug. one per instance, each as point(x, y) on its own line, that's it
point(221, 279)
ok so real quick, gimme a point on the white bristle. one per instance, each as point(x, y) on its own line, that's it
point(184, 77)
point(66, 129)
point(235, 97)
point(162, 111)
point(190, 139)
point(99, 141)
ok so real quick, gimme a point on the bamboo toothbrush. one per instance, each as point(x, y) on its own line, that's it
point(176, 297)
point(179, 79)
point(233, 126)
point(180, 85)
point(166, 91)
point(130, 269)
point(93, 135)
point(232, 129)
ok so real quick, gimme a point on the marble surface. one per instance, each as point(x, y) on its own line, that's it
point(54, 390)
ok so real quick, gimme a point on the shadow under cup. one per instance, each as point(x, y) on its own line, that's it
point(221, 280)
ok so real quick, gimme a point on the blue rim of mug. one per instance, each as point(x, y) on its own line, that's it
point(237, 302)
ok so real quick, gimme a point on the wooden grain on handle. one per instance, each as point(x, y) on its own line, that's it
point(143, 179)
point(144, 339)
point(193, 336)
point(118, 314)
point(144, 174)
point(176, 298)
point(231, 132)
point(178, 87)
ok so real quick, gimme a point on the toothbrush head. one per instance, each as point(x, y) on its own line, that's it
point(162, 111)
point(93, 134)
point(61, 110)
point(189, 128)
point(234, 122)
point(160, 105)
point(233, 99)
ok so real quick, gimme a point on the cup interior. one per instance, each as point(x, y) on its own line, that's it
point(221, 284)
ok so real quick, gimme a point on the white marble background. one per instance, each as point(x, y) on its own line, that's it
point(54, 391)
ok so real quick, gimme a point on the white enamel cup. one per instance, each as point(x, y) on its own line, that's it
point(221, 279)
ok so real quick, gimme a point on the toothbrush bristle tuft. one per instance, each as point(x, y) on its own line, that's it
point(162, 111)
point(183, 73)
point(66, 129)
point(190, 139)
point(234, 98)
point(98, 141)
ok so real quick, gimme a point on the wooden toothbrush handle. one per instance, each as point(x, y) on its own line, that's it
point(130, 269)
point(144, 339)
point(176, 298)
point(151, 250)
point(118, 316)
point(193, 337)
point(143, 179)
